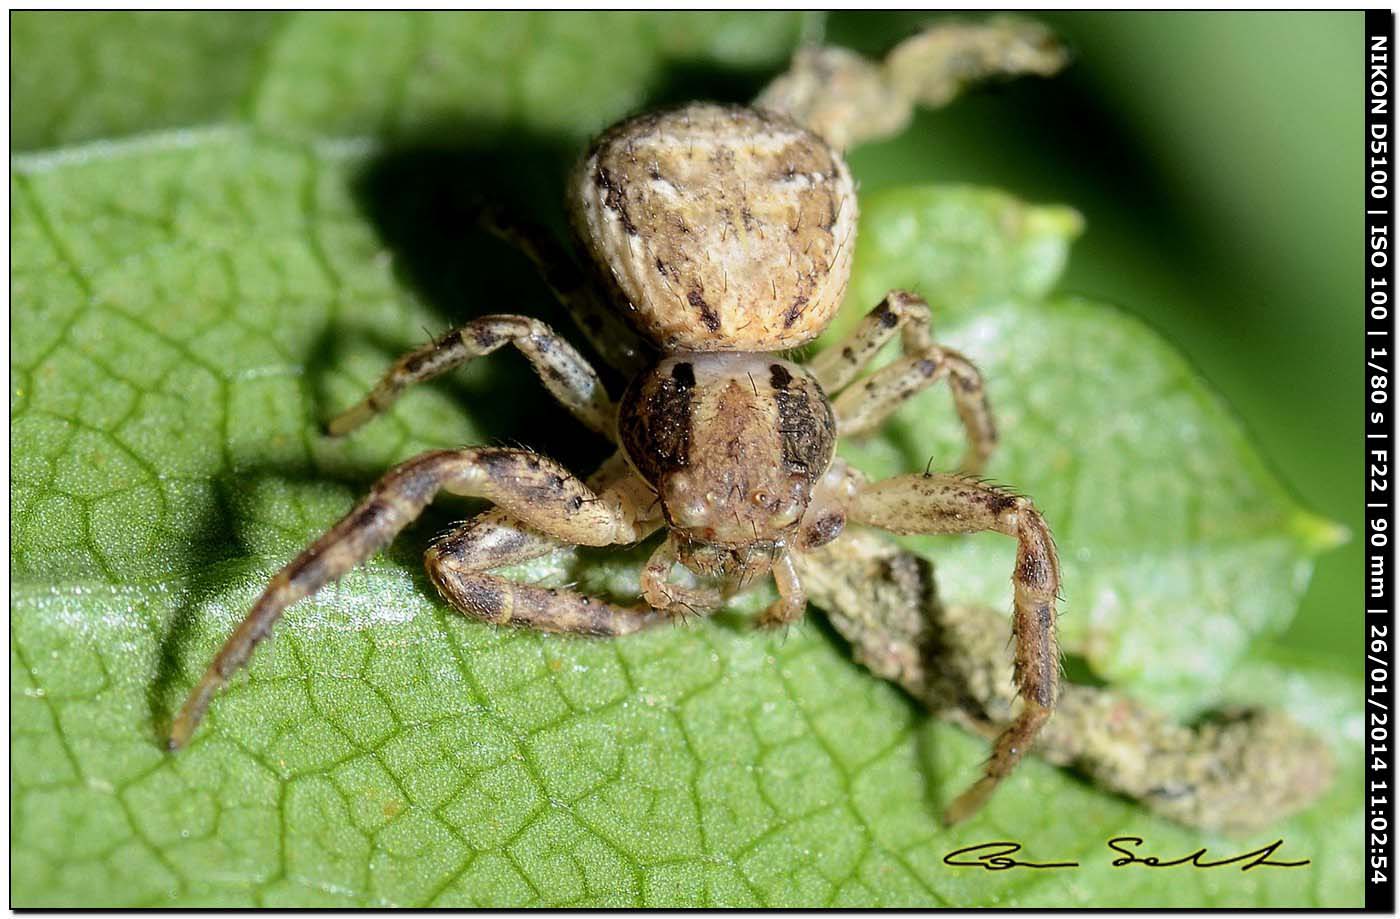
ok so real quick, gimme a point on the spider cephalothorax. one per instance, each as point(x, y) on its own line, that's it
point(722, 235)
point(733, 444)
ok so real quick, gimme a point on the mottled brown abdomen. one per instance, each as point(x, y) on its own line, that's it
point(718, 228)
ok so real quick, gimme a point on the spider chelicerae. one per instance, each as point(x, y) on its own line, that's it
point(720, 238)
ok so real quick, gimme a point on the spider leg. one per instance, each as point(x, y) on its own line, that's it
point(675, 599)
point(951, 504)
point(565, 373)
point(862, 407)
point(539, 492)
point(791, 604)
point(606, 331)
point(459, 563)
point(849, 99)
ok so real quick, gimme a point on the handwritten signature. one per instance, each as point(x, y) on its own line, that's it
point(997, 856)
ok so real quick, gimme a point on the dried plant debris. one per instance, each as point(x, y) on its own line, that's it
point(1237, 771)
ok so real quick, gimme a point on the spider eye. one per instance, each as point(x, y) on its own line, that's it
point(685, 507)
point(787, 513)
point(788, 507)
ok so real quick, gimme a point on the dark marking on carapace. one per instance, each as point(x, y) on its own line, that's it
point(806, 427)
point(654, 421)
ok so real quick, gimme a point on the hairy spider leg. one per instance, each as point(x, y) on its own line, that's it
point(791, 604)
point(538, 491)
point(911, 504)
point(609, 334)
point(460, 561)
point(862, 407)
point(850, 99)
point(565, 372)
point(679, 601)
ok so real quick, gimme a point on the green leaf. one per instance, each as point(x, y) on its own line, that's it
point(446, 75)
point(959, 248)
point(189, 306)
point(83, 74)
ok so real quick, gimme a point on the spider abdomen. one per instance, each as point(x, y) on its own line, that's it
point(718, 228)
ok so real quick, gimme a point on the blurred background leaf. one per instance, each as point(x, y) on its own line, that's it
point(1208, 154)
